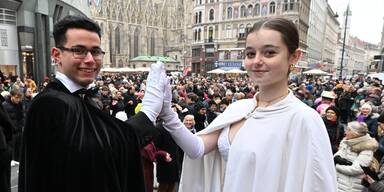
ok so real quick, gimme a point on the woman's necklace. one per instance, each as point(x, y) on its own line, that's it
point(270, 102)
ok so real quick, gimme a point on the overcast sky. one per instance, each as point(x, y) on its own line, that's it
point(367, 17)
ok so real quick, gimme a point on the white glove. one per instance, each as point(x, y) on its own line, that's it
point(191, 144)
point(154, 92)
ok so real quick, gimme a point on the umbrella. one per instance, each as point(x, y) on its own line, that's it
point(377, 75)
point(109, 70)
point(141, 69)
point(236, 71)
point(216, 71)
point(315, 72)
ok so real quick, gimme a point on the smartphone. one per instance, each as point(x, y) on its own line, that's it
point(369, 172)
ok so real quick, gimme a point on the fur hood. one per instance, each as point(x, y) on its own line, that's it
point(363, 143)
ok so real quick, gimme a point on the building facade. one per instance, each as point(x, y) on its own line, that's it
point(134, 28)
point(332, 30)
point(26, 34)
point(219, 28)
point(316, 32)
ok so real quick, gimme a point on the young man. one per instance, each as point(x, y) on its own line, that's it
point(69, 144)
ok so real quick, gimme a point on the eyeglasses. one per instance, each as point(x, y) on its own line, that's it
point(82, 52)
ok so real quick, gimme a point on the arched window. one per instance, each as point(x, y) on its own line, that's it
point(211, 15)
point(250, 9)
point(196, 17)
point(120, 16)
point(210, 34)
point(272, 7)
point(102, 29)
point(152, 43)
point(136, 43)
point(229, 13)
point(117, 40)
point(200, 13)
point(243, 12)
point(121, 64)
point(241, 32)
point(257, 9)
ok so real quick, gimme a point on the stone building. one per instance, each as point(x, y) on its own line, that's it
point(134, 28)
point(219, 28)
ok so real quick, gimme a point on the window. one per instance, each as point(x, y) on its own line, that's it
point(243, 12)
point(3, 38)
point(272, 8)
point(291, 4)
point(257, 9)
point(249, 27)
point(227, 55)
point(199, 35)
point(229, 13)
point(152, 44)
point(210, 34)
point(285, 5)
point(200, 17)
point(136, 43)
point(241, 32)
point(211, 14)
point(250, 9)
point(229, 31)
point(196, 17)
point(117, 40)
point(196, 52)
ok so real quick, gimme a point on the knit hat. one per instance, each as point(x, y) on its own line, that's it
point(199, 105)
point(334, 109)
point(359, 128)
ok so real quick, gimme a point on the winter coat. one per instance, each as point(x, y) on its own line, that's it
point(345, 101)
point(372, 125)
point(335, 132)
point(16, 114)
point(359, 151)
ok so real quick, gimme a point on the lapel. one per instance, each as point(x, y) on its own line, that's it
point(55, 84)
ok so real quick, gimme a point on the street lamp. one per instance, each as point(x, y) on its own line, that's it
point(343, 50)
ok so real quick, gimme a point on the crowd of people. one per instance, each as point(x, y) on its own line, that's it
point(199, 100)
point(255, 132)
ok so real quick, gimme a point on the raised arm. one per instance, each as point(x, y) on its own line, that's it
point(194, 146)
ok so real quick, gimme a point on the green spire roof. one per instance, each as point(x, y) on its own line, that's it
point(154, 59)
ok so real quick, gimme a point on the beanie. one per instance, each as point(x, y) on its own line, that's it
point(358, 127)
point(334, 109)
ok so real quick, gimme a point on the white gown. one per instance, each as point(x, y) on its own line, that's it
point(281, 148)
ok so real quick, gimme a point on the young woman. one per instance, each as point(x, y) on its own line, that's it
point(272, 142)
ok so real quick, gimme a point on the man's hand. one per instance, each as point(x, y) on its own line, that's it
point(154, 93)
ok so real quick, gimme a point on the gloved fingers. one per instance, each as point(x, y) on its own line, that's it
point(167, 92)
point(156, 72)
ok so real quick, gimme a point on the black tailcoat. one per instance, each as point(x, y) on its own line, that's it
point(69, 145)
